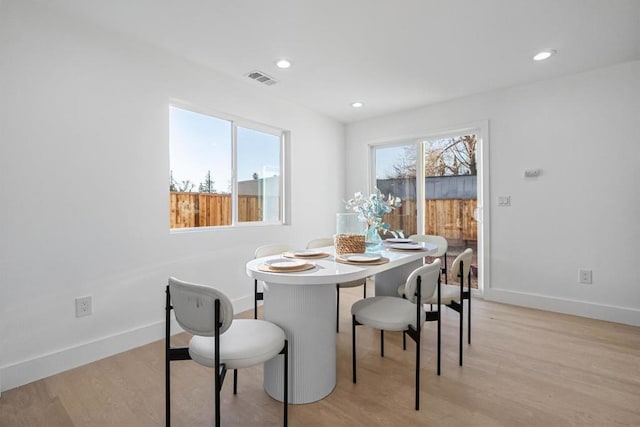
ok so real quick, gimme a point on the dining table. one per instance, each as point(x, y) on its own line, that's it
point(303, 304)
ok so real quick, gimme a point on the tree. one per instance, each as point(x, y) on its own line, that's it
point(172, 184)
point(405, 166)
point(207, 185)
point(180, 187)
point(453, 156)
point(185, 186)
point(449, 156)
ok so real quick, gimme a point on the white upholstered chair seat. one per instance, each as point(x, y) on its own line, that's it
point(245, 343)
point(386, 313)
point(449, 293)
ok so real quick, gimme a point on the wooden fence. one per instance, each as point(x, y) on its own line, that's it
point(450, 218)
point(207, 210)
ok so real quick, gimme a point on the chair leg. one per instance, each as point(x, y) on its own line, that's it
point(353, 347)
point(167, 396)
point(217, 364)
point(255, 299)
point(439, 336)
point(364, 287)
point(286, 383)
point(404, 340)
point(235, 381)
point(418, 372)
point(446, 272)
point(337, 308)
point(461, 327)
point(167, 359)
point(469, 310)
point(381, 343)
point(469, 320)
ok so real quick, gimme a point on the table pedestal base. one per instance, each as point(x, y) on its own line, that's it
point(312, 340)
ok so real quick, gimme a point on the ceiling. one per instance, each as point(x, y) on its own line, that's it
point(391, 55)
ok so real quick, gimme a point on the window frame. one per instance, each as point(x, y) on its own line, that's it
point(235, 122)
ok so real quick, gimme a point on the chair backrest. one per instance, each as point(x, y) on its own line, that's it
point(274, 249)
point(194, 306)
point(439, 241)
point(429, 276)
point(320, 243)
point(466, 258)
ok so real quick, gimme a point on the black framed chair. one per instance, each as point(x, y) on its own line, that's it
point(454, 296)
point(262, 251)
point(218, 341)
point(328, 241)
point(408, 315)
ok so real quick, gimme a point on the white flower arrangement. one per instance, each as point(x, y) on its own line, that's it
point(372, 208)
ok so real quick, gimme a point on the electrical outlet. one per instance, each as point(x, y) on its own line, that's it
point(83, 306)
point(585, 277)
point(504, 201)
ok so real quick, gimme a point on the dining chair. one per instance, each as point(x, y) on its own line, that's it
point(262, 251)
point(454, 296)
point(328, 241)
point(408, 315)
point(441, 251)
point(218, 340)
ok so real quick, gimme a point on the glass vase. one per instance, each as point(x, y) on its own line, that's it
point(373, 240)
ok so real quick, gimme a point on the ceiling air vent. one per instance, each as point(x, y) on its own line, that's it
point(261, 77)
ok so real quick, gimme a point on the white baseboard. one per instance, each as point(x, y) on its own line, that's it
point(611, 313)
point(43, 366)
point(27, 371)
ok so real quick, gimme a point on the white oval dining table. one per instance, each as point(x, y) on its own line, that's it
point(303, 304)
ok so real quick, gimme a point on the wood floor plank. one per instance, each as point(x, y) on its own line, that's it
point(524, 367)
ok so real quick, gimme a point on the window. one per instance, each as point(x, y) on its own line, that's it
point(223, 172)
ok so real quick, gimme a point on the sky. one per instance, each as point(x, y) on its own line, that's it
point(386, 157)
point(201, 143)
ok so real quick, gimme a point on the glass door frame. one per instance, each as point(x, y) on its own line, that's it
point(481, 130)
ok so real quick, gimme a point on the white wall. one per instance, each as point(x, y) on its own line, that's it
point(583, 212)
point(84, 169)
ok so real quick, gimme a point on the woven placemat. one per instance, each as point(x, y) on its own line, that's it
point(316, 256)
point(380, 261)
point(303, 267)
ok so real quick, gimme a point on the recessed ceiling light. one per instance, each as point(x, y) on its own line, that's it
point(283, 63)
point(545, 54)
point(357, 104)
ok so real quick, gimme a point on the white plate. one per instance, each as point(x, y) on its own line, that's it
point(409, 246)
point(362, 257)
point(398, 240)
point(284, 263)
point(307, 252)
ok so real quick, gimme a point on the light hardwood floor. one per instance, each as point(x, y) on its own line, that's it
point(524, 368)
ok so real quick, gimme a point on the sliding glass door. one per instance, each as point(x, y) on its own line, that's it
point(439, 183)
point(395, 174)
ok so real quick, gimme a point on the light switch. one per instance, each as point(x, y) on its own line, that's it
point(504, 200)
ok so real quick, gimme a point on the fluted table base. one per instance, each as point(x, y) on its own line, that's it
point(306, 314)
